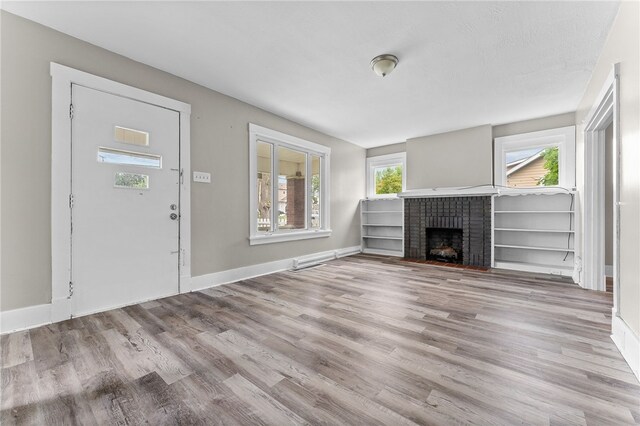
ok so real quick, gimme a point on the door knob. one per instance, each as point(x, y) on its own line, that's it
point(173, 216)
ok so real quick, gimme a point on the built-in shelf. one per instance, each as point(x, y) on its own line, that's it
point(534, 211)
point(565, 270)
point(386, 235)
point(570, 250)
point(382, 237)
point(534, 231)
point(550, 231)
point(382, 211)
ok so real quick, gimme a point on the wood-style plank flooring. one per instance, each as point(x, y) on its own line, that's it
point(362, 340)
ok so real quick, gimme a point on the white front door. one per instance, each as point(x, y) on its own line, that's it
point(125, 212)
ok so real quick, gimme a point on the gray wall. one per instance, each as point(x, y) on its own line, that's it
point(219, 144)
point(387, 149)
point(622, 46)
point(535, 125)
point(459, 158)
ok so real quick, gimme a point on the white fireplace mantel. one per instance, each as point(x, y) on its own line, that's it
point(459, 191)
point(465, 191)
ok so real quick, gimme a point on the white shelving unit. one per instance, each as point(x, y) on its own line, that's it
point(382, 226)
point(535, 231)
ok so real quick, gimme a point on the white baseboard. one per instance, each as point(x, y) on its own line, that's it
point(25, 318)
point(627, 342)
point(232, 275)
point(59, 310)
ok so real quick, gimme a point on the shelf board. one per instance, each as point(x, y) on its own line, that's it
point(382, 211)
point(383, 252)
point(563, 270)
point(378, 237)
point(563, 250)
point(534, 211)
point(554, 231)
point(380, 224)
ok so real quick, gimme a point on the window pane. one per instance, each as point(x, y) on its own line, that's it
point(532, 167)
point(315, 192)
point(131, 180)
point(264, 151)
point(130, 136)
point(388, 179)
point(116, 156)
point(291, 188)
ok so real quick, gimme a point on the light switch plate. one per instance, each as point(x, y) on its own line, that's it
point(202, 177)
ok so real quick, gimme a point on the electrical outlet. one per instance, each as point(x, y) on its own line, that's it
point(202, 177)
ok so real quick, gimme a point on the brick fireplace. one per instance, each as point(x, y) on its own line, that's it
point(461, 224)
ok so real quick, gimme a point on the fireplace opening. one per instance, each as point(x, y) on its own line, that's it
point(444, 245)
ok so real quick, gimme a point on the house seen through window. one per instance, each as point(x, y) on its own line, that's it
point(532, 167)
point(536, 159)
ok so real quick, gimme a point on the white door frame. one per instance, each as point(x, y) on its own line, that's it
point(604, 112)
point(61, 111)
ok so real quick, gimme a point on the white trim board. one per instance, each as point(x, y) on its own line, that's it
point(35, 316)
point(62, 78)
point(605, 111)
point(243, 273)
point(627, 342)
point(25, 318)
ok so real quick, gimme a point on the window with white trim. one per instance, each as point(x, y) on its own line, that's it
point(386, 175)
point(529, 160)
point(289, 187)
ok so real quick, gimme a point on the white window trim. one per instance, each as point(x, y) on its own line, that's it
point(564, 138)
point(259, 133)
point(382, 161)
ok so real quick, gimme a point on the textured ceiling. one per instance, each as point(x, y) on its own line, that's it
point(462, 64)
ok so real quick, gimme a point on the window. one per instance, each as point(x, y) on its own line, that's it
point(131, 136)
point(537, 159)
point(289, 197)
point(386, 175)
point(131, 180)
point(129, 158)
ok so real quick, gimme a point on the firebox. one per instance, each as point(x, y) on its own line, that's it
point(444, 245)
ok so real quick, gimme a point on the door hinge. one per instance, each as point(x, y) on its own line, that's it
point(71, 111)
point(70, 289)
point(71, 200)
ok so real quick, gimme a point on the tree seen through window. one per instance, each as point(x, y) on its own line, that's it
point(388, 180)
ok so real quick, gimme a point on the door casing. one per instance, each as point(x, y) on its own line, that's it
point(61, 134)
point(605, 111)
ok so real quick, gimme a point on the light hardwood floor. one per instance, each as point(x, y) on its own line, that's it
point(361, 340)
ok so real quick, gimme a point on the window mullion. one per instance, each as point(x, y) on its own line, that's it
point(275, 185)
point(308, 198)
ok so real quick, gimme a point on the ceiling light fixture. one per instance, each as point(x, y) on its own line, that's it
point(384, 64)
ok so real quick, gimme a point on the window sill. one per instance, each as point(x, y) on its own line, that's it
point(288, 236)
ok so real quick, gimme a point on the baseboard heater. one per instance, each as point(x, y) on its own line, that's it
point(318, 258)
